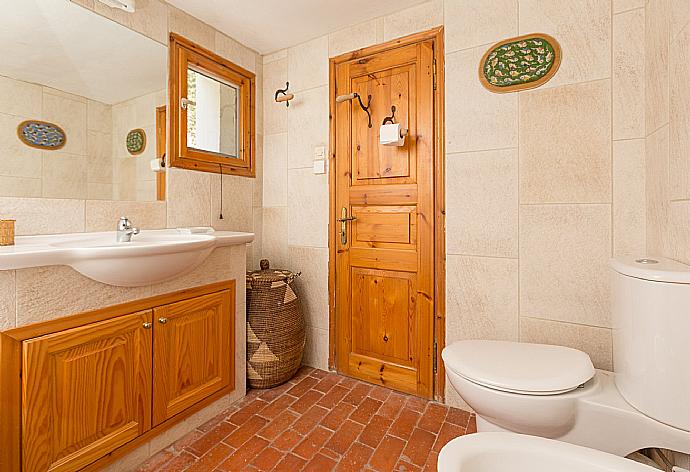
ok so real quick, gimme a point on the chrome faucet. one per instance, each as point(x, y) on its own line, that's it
point(125, 230)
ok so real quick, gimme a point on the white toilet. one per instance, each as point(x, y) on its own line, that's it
point(554, 391)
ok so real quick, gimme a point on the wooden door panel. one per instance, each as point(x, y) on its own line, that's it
point(86, 392)
point(384, 276)
point(193, 352)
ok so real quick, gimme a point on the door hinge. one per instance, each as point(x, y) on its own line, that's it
point(435, 357)
point(434, 72)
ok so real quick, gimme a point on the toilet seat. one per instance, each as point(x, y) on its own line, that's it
point(522, 368)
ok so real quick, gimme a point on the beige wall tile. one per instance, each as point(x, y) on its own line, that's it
point(307, 126)
point(104, 215)
point(275, 170)
point(7, 300)
point(237, 203)
point(625, 5)
point(47, 293)
point(189, 198)
point(20, 98)
point(191, 28)
point(564, 255)
point(16, 158)
point(99, 117)
point(628, 75)
point(476, 119)
point(629, 199)
point(275, 114)
point(308, 64)
point(413, 20)
point(482, 203)
point(43, 215)
point(679, 144)
point(255, 249)
point(355, 37)
point(235, 52)
point(469, 23)
point(258, 184)
point(149, 18)
point(316, 349)
point(657, 191)
point(482, 298)
point(312, 285)
point(69, 112)
point(679, 230)
point(656, 63)
point(274, 56)
point(64, 175)
point(22, 187)
point(307, 208)
point(565, 144)
point(582, 27)
point(274, 241)
point(680, 16)
point(596, 342)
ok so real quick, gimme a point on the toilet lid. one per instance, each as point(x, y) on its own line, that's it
point(536, 369)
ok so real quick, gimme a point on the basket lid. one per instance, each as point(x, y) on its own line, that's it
point(266, 274)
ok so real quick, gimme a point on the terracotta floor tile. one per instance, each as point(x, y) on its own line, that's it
point(433, 417)
point(312, 443)
point(318, 421)
point(375, 430)
point(418, 447)
point(345, 436)
point(403, 426)
point(472, 425)
point(386, 455)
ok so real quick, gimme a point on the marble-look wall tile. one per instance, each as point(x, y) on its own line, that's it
point(564, 255)
point(191, 28)
point(629, 198)
point(657, 191)
point(47, 293)
point(679, 230)
point(189, 198)
point(476, 119)
point(412, 20)
point(597, 342)
point(307, 208)
point(312, 285)
point(255, 249)
point(625, 5)
point(275, 114)
point(307, 126)
point(258, 181)
point(20, 98)
point(237, 207)
point(232, 50)
point(22, 187)
point(680, 16)
point(102, 215)
point(64, 175)
point(565, 144)
point(68, 111)
point(628, 75)
point(274, 236)
point(316, 349)
point(582, 27)
point(308, 64)
point(8, 308)
point(469, 23)
point(18, 159)
point(679, 109)
point(482, 298)
point(656, 64)
point(43, 215)
point(355, 37)
point(482, 203)
point(275, 170)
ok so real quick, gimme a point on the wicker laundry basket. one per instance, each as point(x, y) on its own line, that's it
point(275, 327)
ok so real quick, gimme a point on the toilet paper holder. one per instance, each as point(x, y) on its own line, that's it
point(391, 120)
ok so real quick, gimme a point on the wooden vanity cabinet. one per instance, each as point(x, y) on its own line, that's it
point(101, 383)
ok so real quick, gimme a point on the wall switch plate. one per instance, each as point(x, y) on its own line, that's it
point(319, 166)
point(320, 152)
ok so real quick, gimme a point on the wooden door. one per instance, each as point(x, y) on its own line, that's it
point(86, 392)
point(384, 276)
point(193, 354)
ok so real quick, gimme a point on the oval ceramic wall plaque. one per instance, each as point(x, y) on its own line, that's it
point(41, 135)
point(136, 141)
point(520, 63)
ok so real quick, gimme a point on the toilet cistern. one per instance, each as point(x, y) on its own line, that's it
point(125, 230)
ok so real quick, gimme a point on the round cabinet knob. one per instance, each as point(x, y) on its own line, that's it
point(162, 320)
point(147, 325)
point(385, 338)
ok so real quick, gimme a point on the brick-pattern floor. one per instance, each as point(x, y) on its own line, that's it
point(319, 421)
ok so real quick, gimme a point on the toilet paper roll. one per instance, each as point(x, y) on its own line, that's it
point(156, 165)
point(390, 135)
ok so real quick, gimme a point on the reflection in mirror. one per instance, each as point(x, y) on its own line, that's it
point(99, 83)
point(212, 123)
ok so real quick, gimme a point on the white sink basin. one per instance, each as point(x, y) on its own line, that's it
point(151, 257)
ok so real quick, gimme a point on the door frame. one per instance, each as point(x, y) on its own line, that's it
point(436, 36)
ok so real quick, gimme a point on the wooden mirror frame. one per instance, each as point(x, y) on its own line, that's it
point(182, 53)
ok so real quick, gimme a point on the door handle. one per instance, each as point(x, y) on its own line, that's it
point(343, 224)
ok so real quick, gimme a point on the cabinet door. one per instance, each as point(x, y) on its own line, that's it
point(86, 392)
point(193, 352)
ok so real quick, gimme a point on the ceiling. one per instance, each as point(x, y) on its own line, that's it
point(66, 47)
point(269, 25)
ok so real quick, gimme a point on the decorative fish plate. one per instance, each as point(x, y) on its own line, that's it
point(41, 134)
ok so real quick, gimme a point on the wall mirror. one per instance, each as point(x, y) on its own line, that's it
point(212, 111)
point(78, 105)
